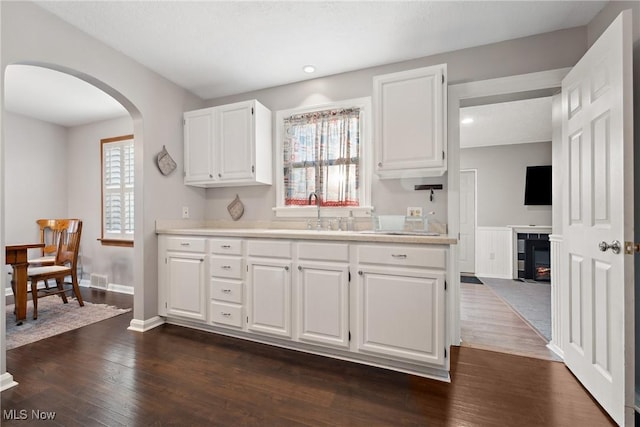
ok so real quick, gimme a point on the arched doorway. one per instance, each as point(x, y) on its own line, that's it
point(20, 220)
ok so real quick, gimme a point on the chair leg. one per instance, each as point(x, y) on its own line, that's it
point(76, 288)
point(13, 289)
point(60, 283)
point(34, 298)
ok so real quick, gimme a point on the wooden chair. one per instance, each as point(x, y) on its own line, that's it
point(50, 231)
point(66, 262)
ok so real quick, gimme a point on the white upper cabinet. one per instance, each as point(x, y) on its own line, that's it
point(410, 122)
point(228, 145)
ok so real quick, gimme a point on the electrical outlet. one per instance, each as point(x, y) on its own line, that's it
point(415, 212)
point(185, 212)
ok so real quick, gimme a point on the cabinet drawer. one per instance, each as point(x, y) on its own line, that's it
point(407, 256)
point(269, 248)
point(230, 267)
point(226, 314)
point(225, 246)
point(186, 244)
point(323, 251)
point(226, 290)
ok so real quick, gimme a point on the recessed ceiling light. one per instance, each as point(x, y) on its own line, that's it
point(308, 69)
point(467, 121)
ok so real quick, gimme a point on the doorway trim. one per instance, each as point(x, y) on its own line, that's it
point(550, 79)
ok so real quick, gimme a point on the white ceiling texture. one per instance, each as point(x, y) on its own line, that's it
point(219, 48)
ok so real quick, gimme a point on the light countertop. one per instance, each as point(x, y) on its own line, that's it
point(350, 236)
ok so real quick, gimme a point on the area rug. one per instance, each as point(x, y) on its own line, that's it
point(531, 299)
point(54, 318)
point(470, 279)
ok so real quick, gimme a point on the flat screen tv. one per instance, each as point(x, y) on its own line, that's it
point(537, 190)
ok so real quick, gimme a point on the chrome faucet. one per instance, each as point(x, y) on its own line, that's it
point(311, 196)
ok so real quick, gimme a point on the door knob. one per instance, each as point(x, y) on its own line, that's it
point(614, 246)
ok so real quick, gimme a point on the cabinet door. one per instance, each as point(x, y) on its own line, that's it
point(235, 137)
point(323, 303)
point(186, 285)
point(401, 313)
point(269, 296)
point(409, 110)
point(198, 146)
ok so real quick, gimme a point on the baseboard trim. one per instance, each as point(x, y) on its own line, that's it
point(558, 351)
point(145, 325)
point(6, 381)
point(111, 287)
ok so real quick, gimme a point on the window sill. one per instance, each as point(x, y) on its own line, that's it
point(116, 242)
point(325, 212)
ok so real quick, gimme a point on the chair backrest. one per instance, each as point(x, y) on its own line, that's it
point(50, 232)
point(69, 244)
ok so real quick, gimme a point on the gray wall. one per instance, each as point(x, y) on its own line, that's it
point(83, 146)
point(35, 176)
point(31, 35)
point(542, 52)
point(54, 172)
point(501, 182)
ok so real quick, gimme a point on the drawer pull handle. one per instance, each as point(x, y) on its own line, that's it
point(225, 246)
point(185, 244)
point(299, 268)
point(286, 268)
point(400, 256)
point(225, 314)
point(226, 291)
point(225, 267)
point(360, 273)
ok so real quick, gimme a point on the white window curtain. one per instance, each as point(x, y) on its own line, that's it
point(322, 156)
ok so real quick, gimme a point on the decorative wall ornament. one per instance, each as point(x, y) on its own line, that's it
point(236, 208)
point(165, 163)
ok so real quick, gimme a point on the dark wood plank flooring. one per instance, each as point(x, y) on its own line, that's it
point(104, 375)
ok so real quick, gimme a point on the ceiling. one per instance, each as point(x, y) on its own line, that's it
point(219, 48)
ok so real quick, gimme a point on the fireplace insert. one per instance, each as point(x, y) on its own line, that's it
point(537, 259)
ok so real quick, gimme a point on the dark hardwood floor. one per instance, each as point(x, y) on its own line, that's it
point(104, 375)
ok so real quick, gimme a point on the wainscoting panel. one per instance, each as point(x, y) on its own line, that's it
point(557, 340)
point(494, 252)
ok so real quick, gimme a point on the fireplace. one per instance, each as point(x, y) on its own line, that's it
point(537, 258)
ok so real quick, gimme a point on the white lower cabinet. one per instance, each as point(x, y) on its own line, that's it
point(183, 269)
point(401, 310)
point(226, 266)
point(300, 294)
point(401, 314)
point(269, 288)
point(323, 303)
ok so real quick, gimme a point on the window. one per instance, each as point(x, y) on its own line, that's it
point(324, 150)
point(117, 191)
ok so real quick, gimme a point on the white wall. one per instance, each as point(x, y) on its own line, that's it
point(36, 171)
point(501, 181)
point(84, 202)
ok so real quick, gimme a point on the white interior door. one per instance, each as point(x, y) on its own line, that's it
point(598, 207)
point(467, 241)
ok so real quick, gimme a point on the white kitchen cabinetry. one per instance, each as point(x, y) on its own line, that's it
point(410, 123)
point(269, 287)
point(322, 288)
point(183, 277)
point(228, 145)
point(401, 300)
point(227, 282)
